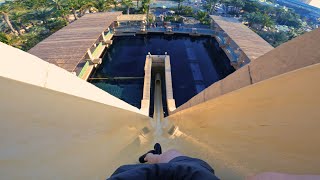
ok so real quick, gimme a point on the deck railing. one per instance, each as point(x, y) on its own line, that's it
point(134, 29)
point(97, 52)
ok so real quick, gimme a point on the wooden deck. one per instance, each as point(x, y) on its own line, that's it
point(250, 42)
point(67, 47)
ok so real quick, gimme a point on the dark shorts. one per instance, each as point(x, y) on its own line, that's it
point(181, 167)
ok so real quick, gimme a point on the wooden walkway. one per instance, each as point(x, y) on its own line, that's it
point(247, 40)
point(67, 47)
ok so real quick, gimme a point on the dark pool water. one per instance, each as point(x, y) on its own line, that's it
point(196, 63)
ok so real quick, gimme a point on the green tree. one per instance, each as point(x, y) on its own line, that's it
point(202, 17)
point(18, 18)
point(40, 10)
point(210, 5)
point(288, 18)
point(186, 11)
point(234, 6)
point(4, 38)
point(5, 10)
point(145, 6)
point(11, 40)
point(257, 18)
point(87, 6)
point(102, 5)
point(179, 5)
point(61, 9)
point(274, 38)
point(128, 4)
point(73, 6)
point(252, 6)
point(267, 21)
point(114, 3)
point(79, 5)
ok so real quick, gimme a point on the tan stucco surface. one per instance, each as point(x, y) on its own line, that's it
point(269, 126)
point(299, 52)
point(45, 134)
point(56, 126)
point(24, 67)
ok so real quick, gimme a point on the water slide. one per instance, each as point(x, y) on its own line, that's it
point(158, 106)
point(54, 131)
point(232, 133)
point(169, 136)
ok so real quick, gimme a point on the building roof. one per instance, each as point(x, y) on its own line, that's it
point(247, 40)
point(67, 47)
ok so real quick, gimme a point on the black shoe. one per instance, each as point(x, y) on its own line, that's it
point(141, 158)
point(157, 150)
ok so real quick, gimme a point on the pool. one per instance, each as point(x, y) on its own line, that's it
point(196, 63)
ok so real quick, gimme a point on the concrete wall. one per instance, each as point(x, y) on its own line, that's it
point(171, 103)
point(145, 102)
point(45, 134)
point(269, 126)
point(297, 53)
point(55, 125)
point(272, 125)
point(24, 67)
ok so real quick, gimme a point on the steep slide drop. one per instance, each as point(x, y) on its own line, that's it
point(272, 125)
point(169, 136)
point(158, 106)
point(167, 133)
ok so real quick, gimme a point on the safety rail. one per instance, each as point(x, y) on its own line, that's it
point(182, 30)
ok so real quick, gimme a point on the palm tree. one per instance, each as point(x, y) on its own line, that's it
point(40, 10)
point(85, 6)
point(12, 40)
point(263, 20)
point(4, 38)
point(102, 5)
point(18, 19)
point(114, 2)
point(128, 4)
point(5, 10)
point(252, 18)
point(60, 7)
point(179, 5)
point(145, 6)
point(238, 4)
point(211, 4)
point(202, 16)
point(267, 21)
point(73, 6)
point(81, 5)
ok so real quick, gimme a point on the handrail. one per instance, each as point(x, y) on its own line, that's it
point(97, 50)
point(84, 69)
